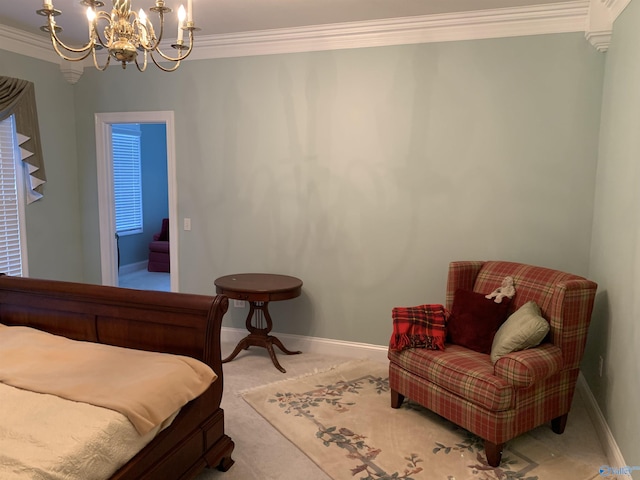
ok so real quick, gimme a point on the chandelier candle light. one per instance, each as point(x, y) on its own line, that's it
point(125, 34)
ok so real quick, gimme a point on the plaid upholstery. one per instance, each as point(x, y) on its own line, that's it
point(421, 326)
point(548, 400)
point(527, 367)
point(462, 275)
point(565, 300)
point(524, 389)
point(461, 371)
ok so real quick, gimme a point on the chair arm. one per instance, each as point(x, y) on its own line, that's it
point(527, 367)
point(156, 236)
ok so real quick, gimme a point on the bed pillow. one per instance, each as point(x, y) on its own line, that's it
point(475, 320)
point(525, 328)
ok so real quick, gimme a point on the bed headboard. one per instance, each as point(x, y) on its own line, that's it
point(178, 323)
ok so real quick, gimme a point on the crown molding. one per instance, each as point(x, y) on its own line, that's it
point(600, 40)
point(602, 15)
point(616, 7)
point(24, 43)
point(36, 46)
point(593, 17)
point(72, 71)
point(504, 22)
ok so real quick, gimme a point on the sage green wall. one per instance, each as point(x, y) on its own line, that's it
point(54, 245)
point(366, 171)
point(615, 250)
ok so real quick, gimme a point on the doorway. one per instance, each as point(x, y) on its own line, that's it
point(104, 150)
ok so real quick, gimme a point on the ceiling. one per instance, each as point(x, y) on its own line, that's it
point(235, 16)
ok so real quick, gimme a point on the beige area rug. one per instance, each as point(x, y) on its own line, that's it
point(343, 421)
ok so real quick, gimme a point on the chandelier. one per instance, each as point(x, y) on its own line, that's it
point(125, 34)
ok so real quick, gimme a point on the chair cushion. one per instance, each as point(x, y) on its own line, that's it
point(461, 371)
point(525, 328)
point(475, 320)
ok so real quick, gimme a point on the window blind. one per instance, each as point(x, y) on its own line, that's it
point(10, 241)
point(127, 178)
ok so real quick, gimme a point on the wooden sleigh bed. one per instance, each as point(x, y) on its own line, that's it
point(181, 324)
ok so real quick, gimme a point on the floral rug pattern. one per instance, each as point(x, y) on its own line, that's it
point(302, 404)
point(341, 411)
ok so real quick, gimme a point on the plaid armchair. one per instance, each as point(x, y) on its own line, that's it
point(523, 389)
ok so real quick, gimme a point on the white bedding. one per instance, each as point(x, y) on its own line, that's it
point(46, 437)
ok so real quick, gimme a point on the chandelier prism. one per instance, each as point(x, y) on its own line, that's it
point(126, 34)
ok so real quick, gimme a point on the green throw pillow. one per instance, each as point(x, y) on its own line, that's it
point(525, 328)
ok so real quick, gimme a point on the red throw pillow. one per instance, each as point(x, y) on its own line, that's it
point(475, 320)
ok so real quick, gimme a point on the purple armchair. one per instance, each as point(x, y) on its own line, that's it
point(159, 250)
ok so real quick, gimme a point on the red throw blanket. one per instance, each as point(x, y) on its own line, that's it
point(422, 326)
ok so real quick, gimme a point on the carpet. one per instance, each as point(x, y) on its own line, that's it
point(342, 420)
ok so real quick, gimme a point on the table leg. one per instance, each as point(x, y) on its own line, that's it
point(259, 335)
point(242, 345)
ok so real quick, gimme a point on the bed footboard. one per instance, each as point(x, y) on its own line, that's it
point(181, 324)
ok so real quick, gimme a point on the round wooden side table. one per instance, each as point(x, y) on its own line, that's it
point(259, 289)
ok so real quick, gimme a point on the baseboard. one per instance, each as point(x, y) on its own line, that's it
point(603, 431)
point(326, 346)
point(132, 267)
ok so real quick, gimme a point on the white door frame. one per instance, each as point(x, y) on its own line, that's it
point(106, 209)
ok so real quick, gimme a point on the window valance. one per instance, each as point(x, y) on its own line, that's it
point(17, 97)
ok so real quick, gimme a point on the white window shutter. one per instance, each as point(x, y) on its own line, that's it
point(127, 178)
point(10, 239)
